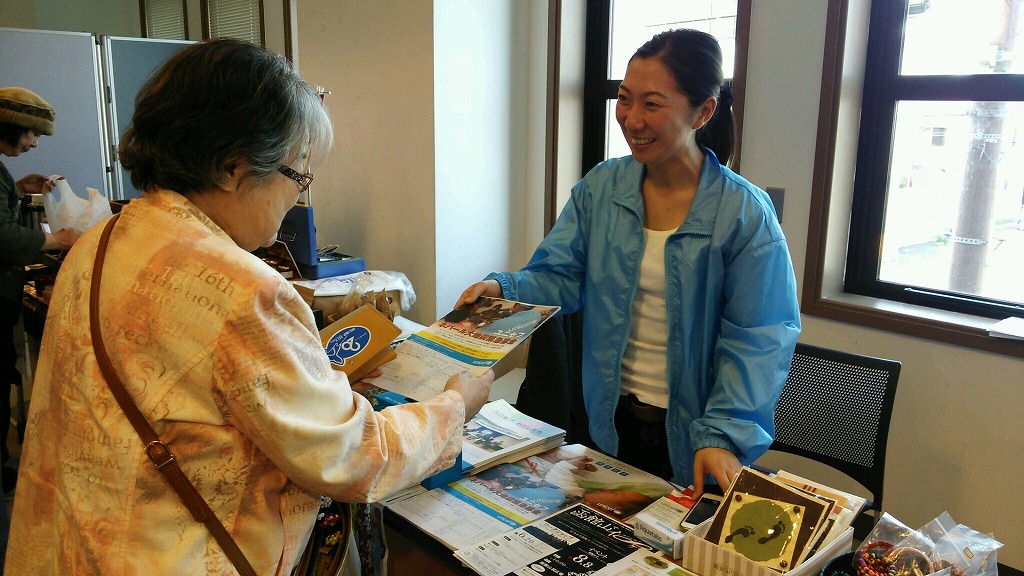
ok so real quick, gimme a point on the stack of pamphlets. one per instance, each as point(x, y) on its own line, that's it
point(510, 495)
point(499, 433)
point(779, 521)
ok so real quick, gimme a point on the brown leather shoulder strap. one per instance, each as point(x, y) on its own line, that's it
point(157, 451)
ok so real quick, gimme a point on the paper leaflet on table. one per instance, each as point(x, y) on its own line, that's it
point(577, 540)
point(500, 433)
point(511, 494)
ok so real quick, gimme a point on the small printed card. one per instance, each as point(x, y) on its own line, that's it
point(360, 341)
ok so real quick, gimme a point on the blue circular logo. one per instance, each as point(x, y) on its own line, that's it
point(346, 343)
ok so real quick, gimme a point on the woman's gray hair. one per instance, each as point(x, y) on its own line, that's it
point(216, 102)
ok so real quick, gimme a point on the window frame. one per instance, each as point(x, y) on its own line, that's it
point(884, 88)
point(286, 16)
point(824, 295)
point(598, 89)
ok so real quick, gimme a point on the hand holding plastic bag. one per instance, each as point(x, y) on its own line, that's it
point(66, 210)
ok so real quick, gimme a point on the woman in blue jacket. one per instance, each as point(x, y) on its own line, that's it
point(683, 275)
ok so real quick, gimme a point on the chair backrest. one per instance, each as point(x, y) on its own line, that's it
point(835, 409)
point(552, 389)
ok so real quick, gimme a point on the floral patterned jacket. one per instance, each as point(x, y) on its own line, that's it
point(222, 356)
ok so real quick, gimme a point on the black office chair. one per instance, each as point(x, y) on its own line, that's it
point(835, 409)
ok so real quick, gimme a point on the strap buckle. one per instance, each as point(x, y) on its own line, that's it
point(160, 454)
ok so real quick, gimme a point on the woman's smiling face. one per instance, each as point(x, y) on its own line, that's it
point(657, 120)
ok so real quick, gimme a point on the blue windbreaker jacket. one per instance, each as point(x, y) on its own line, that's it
point(733, 315)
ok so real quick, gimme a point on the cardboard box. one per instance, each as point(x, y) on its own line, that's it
point(658, 525)
point(360, 341)
point(707, 559)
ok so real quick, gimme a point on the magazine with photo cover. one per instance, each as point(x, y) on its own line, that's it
point(473, 338)
point(509, 495)
point(500, 433)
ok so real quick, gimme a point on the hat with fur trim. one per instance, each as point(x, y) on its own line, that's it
point(25, 108)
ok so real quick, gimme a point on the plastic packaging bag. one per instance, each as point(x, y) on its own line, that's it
point(940, 548)
point(961, 549)
point(64, 209)
point(390, 292)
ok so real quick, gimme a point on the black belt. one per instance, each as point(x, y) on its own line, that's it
point(643, 412)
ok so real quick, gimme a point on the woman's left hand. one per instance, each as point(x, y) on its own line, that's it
point(718, 462)
point(35, 184)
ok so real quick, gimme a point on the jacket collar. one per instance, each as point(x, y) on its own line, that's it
point(704, 209)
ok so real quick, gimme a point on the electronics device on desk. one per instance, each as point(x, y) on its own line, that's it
point(704, 508)
point(299, 234)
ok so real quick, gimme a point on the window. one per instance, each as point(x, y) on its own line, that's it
point(940, 171)
point(935, 233)
point(614, 32)
point(164, 19)
point(241, 19)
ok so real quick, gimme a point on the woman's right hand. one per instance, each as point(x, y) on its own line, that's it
point(486, 288)
point(62, 240)
point(474, 391)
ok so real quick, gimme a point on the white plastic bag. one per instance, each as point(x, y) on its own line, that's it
point(65, 209)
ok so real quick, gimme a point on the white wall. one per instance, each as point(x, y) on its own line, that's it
point(433, 122)
point(102, 17)
point(479, 140)
point(374, 197)
point(957, 437)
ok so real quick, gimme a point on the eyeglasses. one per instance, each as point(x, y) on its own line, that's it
point(303, 180)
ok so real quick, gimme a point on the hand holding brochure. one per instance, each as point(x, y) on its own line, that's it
point(470, 338)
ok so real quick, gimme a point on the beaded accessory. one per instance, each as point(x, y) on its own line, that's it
point(873, 560)
point(881, 558)
point(909, 561)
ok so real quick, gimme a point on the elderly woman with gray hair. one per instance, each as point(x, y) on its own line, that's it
point(217, 351)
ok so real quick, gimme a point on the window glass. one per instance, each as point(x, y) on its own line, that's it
point(165, 19)
point(959, 37)
point(614, 143)
point(938, 214)
point(954, 218)
point(241, 19)
point(634, 22)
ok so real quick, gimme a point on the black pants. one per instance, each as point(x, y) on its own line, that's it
point(10, 311)
point(643, 440)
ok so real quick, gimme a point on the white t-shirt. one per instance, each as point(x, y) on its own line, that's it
point(645, 363)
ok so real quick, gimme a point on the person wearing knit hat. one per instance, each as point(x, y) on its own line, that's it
point(25, 108)
point(24, 116)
